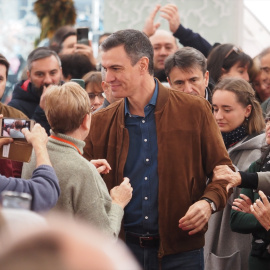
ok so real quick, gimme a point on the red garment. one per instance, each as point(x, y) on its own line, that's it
point(10, 168)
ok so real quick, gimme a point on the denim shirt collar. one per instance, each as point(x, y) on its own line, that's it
point(152, 101)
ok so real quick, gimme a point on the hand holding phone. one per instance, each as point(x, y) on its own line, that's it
point(12, 127)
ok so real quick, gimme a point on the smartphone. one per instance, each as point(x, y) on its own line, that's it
point(81, 82)
point(11, 127)
point(82, 35)
point(16, 200)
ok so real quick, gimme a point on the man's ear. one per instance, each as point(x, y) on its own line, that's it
point(223, 71)
point(144, 62)
point(28, 74)
point(206, 78)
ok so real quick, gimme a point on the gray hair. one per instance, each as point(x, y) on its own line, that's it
point(136, 45)
point(40, 53)
point(185, 58)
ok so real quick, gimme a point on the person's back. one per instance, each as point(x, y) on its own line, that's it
point(84, 194)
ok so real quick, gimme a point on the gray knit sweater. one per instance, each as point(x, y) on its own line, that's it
point(83, 191)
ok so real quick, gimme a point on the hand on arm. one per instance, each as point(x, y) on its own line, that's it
point(242, 205)
point(38, 138)
point(122, 194)
point(150, 27)
point(261, 211)
point(196, 217)
point(171, 14)
point(224, 172)
point(101, 165)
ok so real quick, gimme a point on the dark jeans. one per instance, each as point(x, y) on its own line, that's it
point(148, 259)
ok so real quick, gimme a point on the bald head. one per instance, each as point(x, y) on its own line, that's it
point(164, 44)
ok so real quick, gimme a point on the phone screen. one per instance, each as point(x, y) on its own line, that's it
point(12, 127)
point(82, 35)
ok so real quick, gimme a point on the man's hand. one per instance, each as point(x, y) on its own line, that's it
point(122, 194)
point(224, 172)
point(196, 217)
point(261, 211)
point(150, 28)
point(242, 205)
point(102, 165)
point(171, 14)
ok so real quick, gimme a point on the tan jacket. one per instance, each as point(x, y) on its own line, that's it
point(189, 147)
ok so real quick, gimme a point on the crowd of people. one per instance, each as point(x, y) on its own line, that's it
point(162, 146)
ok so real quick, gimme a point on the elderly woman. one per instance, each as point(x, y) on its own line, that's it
point(240, 120)
point(83, 191)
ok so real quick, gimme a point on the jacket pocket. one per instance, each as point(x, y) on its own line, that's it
point(213, 262)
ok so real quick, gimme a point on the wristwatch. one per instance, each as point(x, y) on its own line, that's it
point(212, 205)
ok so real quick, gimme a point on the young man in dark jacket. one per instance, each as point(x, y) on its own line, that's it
point(43, 69)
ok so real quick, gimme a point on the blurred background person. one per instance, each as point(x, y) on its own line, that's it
point(93, 87)
point(255, 77)
point(61, 244)
point(75, 66)
point(227, 60)
point(64, 41)
point(242, 219)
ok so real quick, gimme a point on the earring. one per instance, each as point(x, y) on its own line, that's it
point(246, 118)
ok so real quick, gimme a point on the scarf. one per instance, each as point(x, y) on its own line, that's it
point(233, 137)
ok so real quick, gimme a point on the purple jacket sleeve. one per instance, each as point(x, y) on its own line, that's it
point(188, 38)
point(43, 186)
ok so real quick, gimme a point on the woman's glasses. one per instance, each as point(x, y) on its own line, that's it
point(92, 96)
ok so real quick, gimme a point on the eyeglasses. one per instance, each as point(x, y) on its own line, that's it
point(92, 96)
point(233, 49)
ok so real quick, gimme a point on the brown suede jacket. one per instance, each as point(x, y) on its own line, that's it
point(189, 147)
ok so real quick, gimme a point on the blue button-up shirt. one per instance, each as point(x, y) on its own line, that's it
point(141, 214)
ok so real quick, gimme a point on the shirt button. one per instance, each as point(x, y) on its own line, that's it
point(146, 217)
point(145, 140)
point(147, 160)
point(143, 121)
point(146, 198)
point(145, 178)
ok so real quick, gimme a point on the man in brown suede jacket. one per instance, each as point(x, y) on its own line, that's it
point(167, 143)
